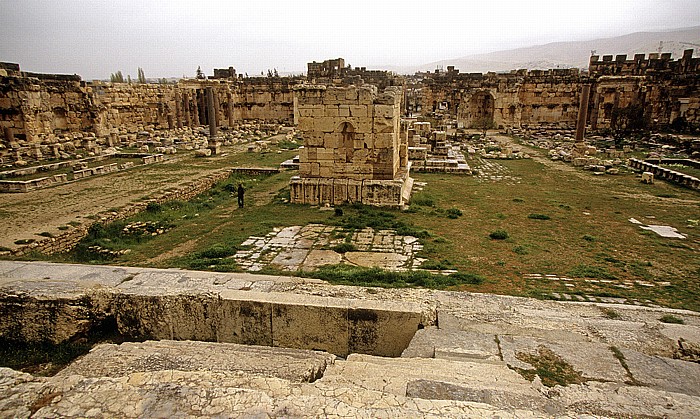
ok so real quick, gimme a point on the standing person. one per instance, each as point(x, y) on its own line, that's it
point(241, 191)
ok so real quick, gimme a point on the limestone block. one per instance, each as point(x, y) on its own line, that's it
point(304, 169)
point(358, 111)
point(344, 111)
point(326, 124)
point(318, 324)
point(340, 191)
point(325, 186)
point(354, 190)
point(351, 94)
point(245, 322)
point(331, 111)
point(315, 169)
point(314, 139)
point(306, 124)
point(374, 328)
point(311, 192)
point(385, 111)
point(296, 190)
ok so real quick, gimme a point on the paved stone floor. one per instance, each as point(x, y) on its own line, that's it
point(491, 171)
point(572, 284)
point(296, 247)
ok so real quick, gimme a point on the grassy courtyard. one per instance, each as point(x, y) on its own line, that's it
point(512, 235)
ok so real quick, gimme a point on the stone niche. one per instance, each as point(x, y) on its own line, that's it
point(352, 148)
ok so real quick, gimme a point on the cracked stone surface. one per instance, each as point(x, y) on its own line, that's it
point(460, 363)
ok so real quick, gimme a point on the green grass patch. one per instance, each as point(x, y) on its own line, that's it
point(375, 277)
point(669, 318)
point(589, 271)
point(550, 367)
point(538, 217)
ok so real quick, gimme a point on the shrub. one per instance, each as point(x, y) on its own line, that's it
point(467, 278)
point(454, 213)
point(45, 234)
point(589, 238)
point(217, 251)
point(610, 313)
point(518, 200)
point(538, 216)
point(521, 250)
point(669, 318)
point(338, 212)
point(344, 248)
point(24, 241)
point(154, 207)
point(499, 235)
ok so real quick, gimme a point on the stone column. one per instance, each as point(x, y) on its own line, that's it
point(178, 112)
point(186, 109)
point(201, 107)
point(214, 144)
point(211, 111)
point(582, 112)
point(230, 109)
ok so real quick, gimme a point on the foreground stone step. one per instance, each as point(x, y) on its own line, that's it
point(109, 360)
point(189, 394)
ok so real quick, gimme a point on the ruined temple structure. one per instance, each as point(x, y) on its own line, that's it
point(335, 72)
point(642, 92)
point(38, 109)
point(352, 148)
point(41, 111)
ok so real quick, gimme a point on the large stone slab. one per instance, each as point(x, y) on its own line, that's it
point(109, 360)
point(666, 374)
point(441, 343)
point(593, 360)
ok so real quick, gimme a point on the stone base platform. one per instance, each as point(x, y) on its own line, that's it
point(321, 191)
point(462, 355)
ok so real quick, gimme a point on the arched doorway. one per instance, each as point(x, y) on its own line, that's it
point(346, 141)
point(481, 107)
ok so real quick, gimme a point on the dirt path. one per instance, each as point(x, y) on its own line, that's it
point(24, 215)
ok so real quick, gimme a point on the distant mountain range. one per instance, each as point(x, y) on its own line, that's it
point(570, 54)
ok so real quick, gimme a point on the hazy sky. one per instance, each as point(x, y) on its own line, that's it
point(172, 38)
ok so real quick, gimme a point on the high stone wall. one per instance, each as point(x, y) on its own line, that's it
point(642, 93)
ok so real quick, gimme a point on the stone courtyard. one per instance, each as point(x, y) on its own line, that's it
point(308, 247)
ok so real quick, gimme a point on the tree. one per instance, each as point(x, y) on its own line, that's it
point(275, 73)
point(484, 124)
point(117, 77)
point(128, 79)
point(141, 76)
point(200, 74)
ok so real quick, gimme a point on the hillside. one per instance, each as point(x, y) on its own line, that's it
point(571, 54)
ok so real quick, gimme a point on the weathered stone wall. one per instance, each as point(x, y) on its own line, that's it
point(43, 110)
point(515, 99)
point(640, 93)
point(30, 107)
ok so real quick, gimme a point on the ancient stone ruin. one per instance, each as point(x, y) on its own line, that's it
point(352, 148)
